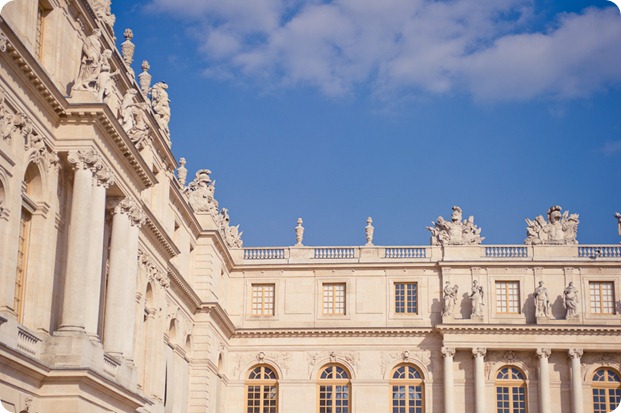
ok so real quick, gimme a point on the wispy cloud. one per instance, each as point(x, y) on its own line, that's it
point(480, 47)
point(611, 148)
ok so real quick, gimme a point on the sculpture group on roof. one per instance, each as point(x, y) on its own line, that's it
point(558, 230)
point(455, 231)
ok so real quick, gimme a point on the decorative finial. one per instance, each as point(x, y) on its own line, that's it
point(618, 216)
point(369, 230)
point(299, 233)
point(145, 78)
point(182, 172)
point(127, 47)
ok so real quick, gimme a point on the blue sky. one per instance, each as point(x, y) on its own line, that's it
point(334, 111)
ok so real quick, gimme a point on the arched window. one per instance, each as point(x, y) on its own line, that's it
point(510, 391)
point(262, 390)
point(407, 389)
point(606, 390)
point(334, 390)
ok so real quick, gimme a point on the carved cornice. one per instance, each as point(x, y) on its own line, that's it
point(220, 317)
point(323, 332)
point(565, 330)
point(30, 68)
point(182, 288)
point(158, 234)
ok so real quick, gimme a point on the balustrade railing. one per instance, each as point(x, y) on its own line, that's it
point(506, 252)
point(111, 366)
point(334, 253)
point(27, 342)
point(595, 251)
point(405, 253)
point(264, 253)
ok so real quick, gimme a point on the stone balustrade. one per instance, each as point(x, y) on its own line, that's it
point(370, 254)
point(27, 342)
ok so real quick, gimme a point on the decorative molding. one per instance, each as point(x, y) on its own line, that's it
point(421, 358)
point(350, 358)
point(479, 352)
point(4, 42)
point(278, 359)
point(448, 352)
point(575, 353)
point(345, 332)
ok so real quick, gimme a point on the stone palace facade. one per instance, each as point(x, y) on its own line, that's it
point(124, 288)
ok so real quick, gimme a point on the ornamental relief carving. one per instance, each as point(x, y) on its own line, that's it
point(523, 359)
point(279, 359)
point(421, 358)
point(351, 358)
point(4, 42)
point(153, 274)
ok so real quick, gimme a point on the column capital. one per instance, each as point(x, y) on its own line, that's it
point(448, 351)
point(543, 352)
point(575, 353)
point(129, 207)
point(103, 177)
point(85, 159)
point(479, 352)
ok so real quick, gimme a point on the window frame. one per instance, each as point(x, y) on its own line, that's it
point(406, 284)
point(607, 386)
point(334, 302)
point(407, 382)
point(601, 306)
point(512, 385)
point(262, 383)
point(508, 295)
point(334, 382)
point(263, 313)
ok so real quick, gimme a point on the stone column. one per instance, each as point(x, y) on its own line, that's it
point(92, 272)
point(121, 289)
point(449, 386)
point(84, 162)
point(544, 380)
point(479, 379)
point(577, 405)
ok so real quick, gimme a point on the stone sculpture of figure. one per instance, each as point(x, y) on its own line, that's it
point(161, 105)
point(134, 120)
point(90, 66)
point(104, 79)
point(104, 12)
point(233, 237)
point(299, 233)
point(450, 298)
point(200, 193)
point(560, 229)
point(476, 298)
point(369, 230)
point(618, 216)
point(456, 231)
point(570, 298)
point(542, 301)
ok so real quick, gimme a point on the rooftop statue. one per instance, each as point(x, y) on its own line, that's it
point(134, 120)
point(456, 231)
point(369, 231)
point(90, 65)
point(200, 193)
point(231, 235)
point(618, 216)
point(558, 230)
point(161, 105)
point(103, 11)
point(299, 233)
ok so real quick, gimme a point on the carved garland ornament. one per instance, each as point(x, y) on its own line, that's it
point(4, 42)
point(153, 273)
point(420, 357)
point(348, 357)
point(281, 359)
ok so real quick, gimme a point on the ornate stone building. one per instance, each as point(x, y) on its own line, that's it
point(125, 288)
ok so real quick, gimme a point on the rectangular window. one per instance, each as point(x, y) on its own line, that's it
point(334, 299)
point(602, 297)
point(22, 260)
point(406, 298)
point(42, 12)
point(507, 297)
point(262, 300)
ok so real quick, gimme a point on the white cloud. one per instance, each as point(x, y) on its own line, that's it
point(482, 47)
